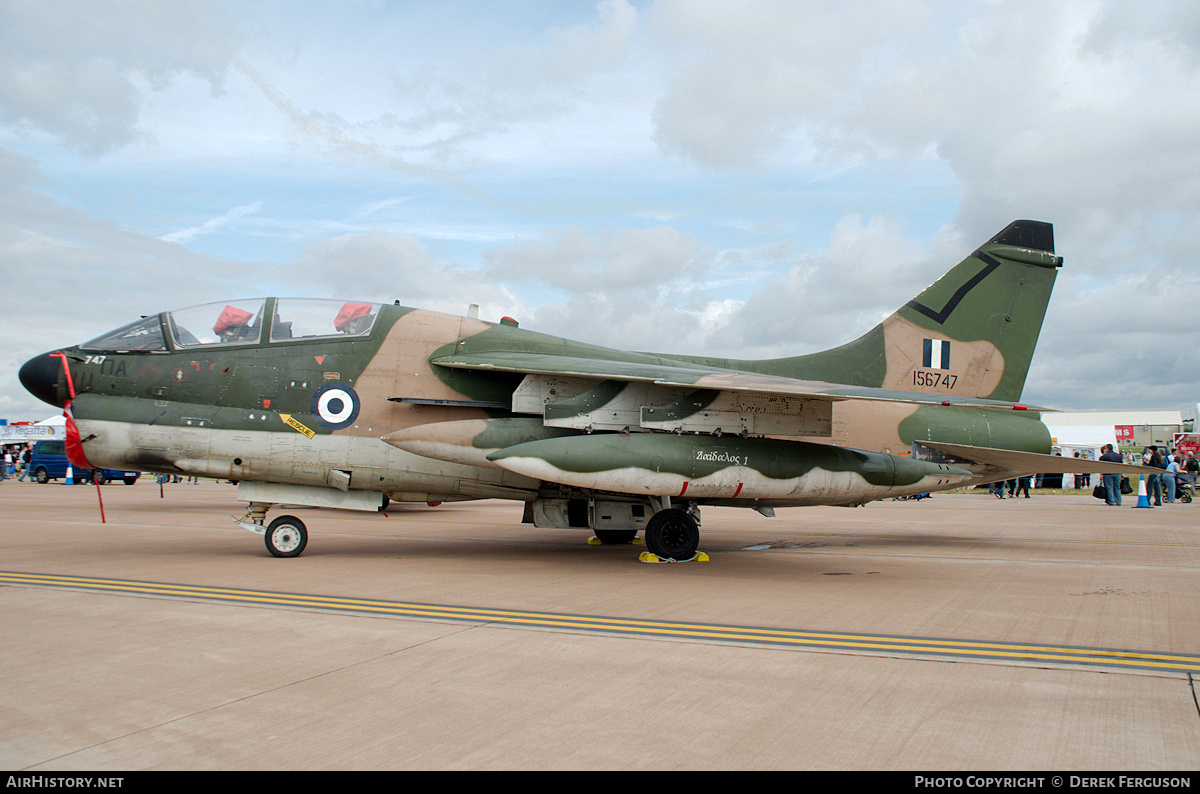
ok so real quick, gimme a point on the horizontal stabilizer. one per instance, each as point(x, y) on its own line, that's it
point(1036, 463)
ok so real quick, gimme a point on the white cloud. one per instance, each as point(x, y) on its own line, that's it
point(504, 97)
point(834, 294)
point(387, 267)
point(72, 71)
point(810, 167)
point(762, 73)
point(577, 262)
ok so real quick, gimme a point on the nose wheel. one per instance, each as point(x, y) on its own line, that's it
point(286, 536)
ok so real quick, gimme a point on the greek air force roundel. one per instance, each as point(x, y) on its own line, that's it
point(335, 405)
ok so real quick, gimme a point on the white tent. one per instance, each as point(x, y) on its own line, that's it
point(1087, 440)
point(1080, 438)
point(53, 428)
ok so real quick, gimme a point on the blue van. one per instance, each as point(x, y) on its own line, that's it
point(49, 462)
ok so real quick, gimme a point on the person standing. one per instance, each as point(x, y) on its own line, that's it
point(1153, 491)
point(1112, 482)
point(26, 458)
point(1159, 461)
point(1169, 478)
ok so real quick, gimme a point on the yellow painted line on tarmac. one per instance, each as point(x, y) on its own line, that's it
point(1000, 652)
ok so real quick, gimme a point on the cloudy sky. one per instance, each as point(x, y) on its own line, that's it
point(751, 179)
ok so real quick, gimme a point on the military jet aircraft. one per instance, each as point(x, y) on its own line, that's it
point(350, 404)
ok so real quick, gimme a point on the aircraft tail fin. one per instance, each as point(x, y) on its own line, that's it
point(970, 334)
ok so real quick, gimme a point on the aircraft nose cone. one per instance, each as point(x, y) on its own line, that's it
point(40, 375)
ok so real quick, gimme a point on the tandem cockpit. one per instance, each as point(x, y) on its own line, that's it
point(241, 322)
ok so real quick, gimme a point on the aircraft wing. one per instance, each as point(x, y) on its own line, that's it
point(667, 372)
point(1035, 463)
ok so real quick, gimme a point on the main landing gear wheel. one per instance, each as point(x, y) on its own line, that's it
point(672, 535)
point(286, 537)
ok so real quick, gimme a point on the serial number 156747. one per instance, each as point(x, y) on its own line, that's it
point(934, 379)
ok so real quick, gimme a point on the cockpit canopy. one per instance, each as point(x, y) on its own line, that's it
point(143, 334)
point(240, 323)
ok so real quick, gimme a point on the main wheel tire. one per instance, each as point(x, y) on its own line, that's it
point(286, 536)
point(672, 535)
point(41, 475)
point(615, 537)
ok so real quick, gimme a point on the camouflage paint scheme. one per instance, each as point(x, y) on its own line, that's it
point(429, 407)
point(768, 472)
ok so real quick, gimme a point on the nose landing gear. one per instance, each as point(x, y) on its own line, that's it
point(286, 537)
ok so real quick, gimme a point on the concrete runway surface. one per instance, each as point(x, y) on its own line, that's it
point(955, 633)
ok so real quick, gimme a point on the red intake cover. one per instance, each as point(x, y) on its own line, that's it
point(74, 444)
